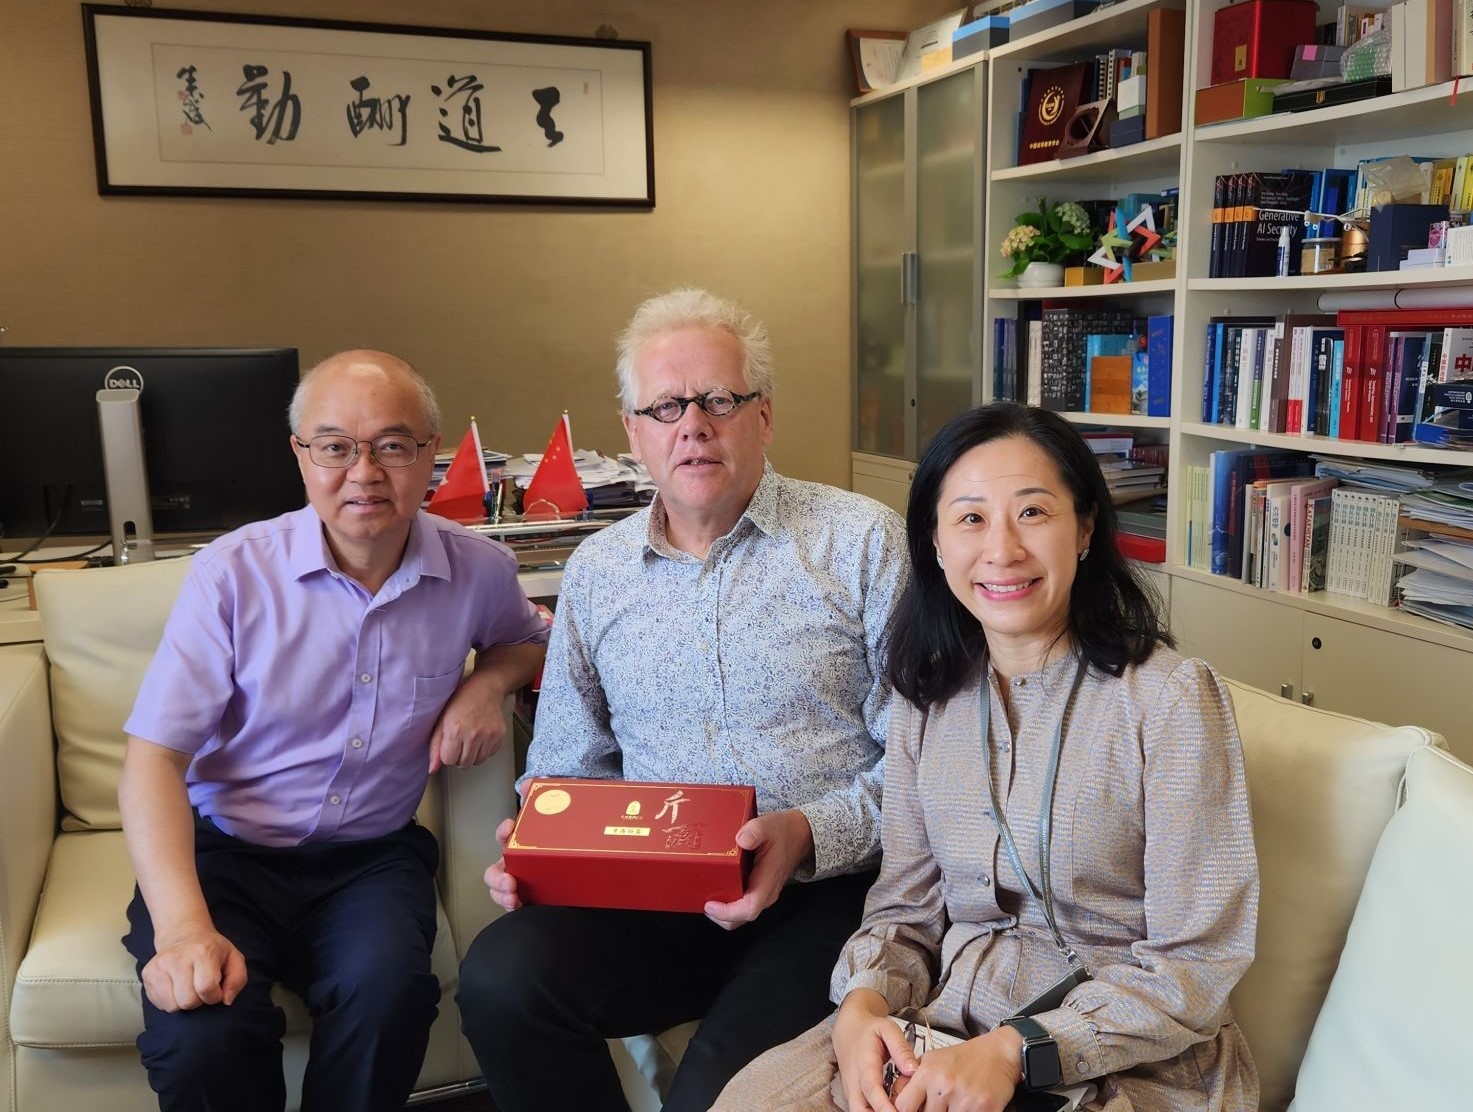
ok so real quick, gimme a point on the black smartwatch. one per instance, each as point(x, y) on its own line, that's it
point(1041, 1069)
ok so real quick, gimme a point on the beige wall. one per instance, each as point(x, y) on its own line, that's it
point(510, 311)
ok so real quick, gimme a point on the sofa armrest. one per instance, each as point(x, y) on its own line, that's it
point(27, 813)
point(463, 807)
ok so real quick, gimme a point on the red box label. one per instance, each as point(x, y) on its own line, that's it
point(618, 843)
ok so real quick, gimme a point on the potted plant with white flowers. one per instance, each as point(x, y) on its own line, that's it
point(1042, 240)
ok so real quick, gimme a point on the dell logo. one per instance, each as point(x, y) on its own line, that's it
point(123, 378)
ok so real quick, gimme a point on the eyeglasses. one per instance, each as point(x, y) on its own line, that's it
point(393, 450)
point(718, 403)
point(919, 1038)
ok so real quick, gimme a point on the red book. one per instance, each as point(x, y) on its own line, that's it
point(1148, 550)
point(1373, 361)
point(1352, 385)
point(1407, 318)
point(621, 843)
point(1053, 94)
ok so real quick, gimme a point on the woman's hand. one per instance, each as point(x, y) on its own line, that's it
point(978, 1075)
point(865, 1039)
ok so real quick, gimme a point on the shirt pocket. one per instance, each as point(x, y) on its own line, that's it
point(431, 693)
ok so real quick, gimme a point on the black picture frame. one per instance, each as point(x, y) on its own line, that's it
point(208, 104)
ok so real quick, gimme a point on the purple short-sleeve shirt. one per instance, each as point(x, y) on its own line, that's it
point(305, 704)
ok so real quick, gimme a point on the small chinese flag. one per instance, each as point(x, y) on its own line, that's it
point(461, 495)
point(555, 490)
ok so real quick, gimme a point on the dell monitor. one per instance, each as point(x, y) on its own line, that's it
point(214, 435)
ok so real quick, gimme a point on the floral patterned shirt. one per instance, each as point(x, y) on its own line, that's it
point(762, 664)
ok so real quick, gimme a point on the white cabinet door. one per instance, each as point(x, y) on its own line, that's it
point(1390, 678)
point(1245, 638)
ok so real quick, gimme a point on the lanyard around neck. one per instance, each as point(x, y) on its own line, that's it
point(1045, 817)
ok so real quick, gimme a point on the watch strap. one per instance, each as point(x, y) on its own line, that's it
point(1028, 1027)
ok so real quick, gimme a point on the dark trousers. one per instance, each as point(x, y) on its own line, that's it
point(543, 987)
point(349, 928)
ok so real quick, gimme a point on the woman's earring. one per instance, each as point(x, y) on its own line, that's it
point(1082, 555)
point(939, 564)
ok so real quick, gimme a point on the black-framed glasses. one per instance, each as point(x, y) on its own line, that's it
point(391, 450)
point(718, 403)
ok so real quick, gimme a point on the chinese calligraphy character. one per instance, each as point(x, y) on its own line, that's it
point(687, 837)
point(469, 136)
point(547, 99)
point(367, 113)
point(281, 118)
point(672, 805)
point(189, 98)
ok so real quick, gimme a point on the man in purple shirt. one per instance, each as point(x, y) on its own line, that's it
point(308, 682)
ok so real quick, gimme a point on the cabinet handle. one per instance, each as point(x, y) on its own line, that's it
point(1286, 691)
point(1307, 698)
point(904, 278)
point(909, 278)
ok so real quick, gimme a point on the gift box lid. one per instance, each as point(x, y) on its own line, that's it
point(624, 817)
point(627, 844)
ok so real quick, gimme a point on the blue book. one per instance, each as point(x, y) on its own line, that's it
point(1158, 358)
point(1335, 197)
point(1219, 355)
point(1231, 470)
point(1403, 398)
point(1316, 397)
point(1337, 375)
point(1140, 382)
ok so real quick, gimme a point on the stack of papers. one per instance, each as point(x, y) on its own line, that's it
point(608, 482)
point(1440, 584)
point(1376, 476)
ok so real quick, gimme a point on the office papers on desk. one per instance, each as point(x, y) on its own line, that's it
point(607, 482)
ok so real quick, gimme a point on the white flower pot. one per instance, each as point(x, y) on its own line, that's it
point(1039, 275)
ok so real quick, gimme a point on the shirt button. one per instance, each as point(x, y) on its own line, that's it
point(334, 799)
point(704, 646)
point(986, 880)
point(366, 678)
point(1083, 1067)
point(357, 743)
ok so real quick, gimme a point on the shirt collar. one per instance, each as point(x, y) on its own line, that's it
point(761, 511)
point(307, 550)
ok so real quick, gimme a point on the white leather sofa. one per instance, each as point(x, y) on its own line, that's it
point(70, 1008)
point(1361, 829)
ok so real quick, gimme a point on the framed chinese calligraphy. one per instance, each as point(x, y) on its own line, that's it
point(208, 104)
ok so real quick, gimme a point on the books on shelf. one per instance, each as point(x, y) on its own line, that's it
point(1063, 352)
point(1233, 471)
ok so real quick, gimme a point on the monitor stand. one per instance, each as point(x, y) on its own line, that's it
point(127, 480)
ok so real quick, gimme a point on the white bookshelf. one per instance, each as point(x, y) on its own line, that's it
point(1363, 659)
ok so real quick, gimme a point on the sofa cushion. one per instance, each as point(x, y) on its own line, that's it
point(1396, 1030)
point(1322, 787)
point(101, 627)
point(76, 985)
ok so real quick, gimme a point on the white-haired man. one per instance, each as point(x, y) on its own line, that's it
point(731, 633)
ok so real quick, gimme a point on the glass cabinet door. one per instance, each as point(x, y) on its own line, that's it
point(881, 235)
point(948, 141)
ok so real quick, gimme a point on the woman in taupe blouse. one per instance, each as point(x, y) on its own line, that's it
point(1152, 880)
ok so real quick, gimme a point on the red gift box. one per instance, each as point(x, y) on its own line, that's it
point(618, 843)
point(1256, 38)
